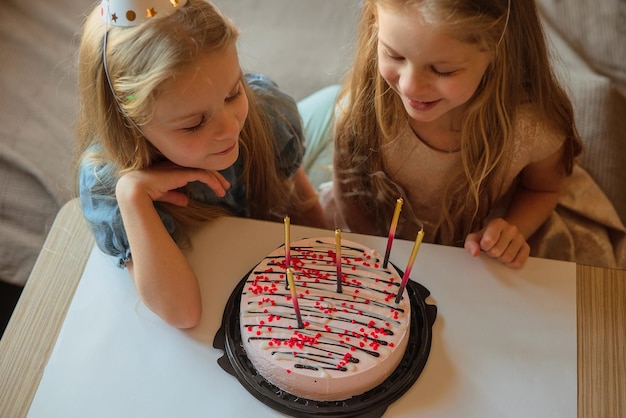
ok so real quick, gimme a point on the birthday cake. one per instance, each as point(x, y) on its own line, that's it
point(338, 340)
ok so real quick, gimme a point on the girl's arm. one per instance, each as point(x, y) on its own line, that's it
point(313, 215)
point(537, 194)
point(163, 277)
point(532, 204)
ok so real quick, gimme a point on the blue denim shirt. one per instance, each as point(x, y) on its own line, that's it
point(96, 183)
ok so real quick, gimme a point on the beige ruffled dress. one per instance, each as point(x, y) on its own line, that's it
point(584, 227)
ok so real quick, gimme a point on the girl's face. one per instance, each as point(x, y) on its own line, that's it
point(434, 74)
point(199, 114)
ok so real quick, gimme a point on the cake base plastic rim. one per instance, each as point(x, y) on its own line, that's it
point(371, 404)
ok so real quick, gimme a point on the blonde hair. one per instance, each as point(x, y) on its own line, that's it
point(139, 60)
point(519, 73)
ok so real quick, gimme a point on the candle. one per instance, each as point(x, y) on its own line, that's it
point(287, 249)
point(294, 296)
point(338, 258)
point(392, 230)
point(287, 244)
point(409, 266)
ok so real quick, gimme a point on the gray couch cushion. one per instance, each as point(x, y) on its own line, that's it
point(596, 30)
point(303, 45)
point(600, 109)
point(37, 113)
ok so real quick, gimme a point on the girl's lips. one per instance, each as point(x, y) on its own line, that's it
point(226, 151)
point(422, 106)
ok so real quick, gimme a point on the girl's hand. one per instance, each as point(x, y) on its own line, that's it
point(160, 182)
point(165, 281)
point(501, 240)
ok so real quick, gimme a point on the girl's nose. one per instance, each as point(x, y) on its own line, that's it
point(226, 125)
point(414, 84)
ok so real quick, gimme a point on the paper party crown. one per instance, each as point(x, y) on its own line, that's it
point(135, 12)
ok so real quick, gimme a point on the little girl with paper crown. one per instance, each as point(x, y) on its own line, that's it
point(171, 133)
point(452, 105)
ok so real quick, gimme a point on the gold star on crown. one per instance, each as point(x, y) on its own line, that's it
point(135, 12)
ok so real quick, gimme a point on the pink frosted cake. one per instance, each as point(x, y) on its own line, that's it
point(350, 342)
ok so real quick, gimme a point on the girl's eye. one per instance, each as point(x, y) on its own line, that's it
point(442, 73)
point(196, 127)
point(235, 94)
point(394, 57)
point(385, 51)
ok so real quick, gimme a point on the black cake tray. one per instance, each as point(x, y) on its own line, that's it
point(371, 404)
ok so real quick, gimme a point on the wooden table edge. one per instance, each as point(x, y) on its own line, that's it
point(601, 341)
point(35, 324)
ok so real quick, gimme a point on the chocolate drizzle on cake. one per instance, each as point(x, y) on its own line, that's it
point(339, 328)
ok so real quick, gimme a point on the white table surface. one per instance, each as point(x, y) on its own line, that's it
point(504, 341)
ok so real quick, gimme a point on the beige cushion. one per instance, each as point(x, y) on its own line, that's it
point(595, 29)
point(600, 111)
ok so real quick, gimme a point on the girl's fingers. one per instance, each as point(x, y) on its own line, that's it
point(472, 244)
point(218, 183)
point(182, 176)
point(500, 240)
point(516, 252)
point(521, 257)
point(498, 235)
point(175, 198)
point(161, 182)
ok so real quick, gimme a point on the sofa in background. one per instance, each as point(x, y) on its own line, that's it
point(589, 48)
point(303, 45)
